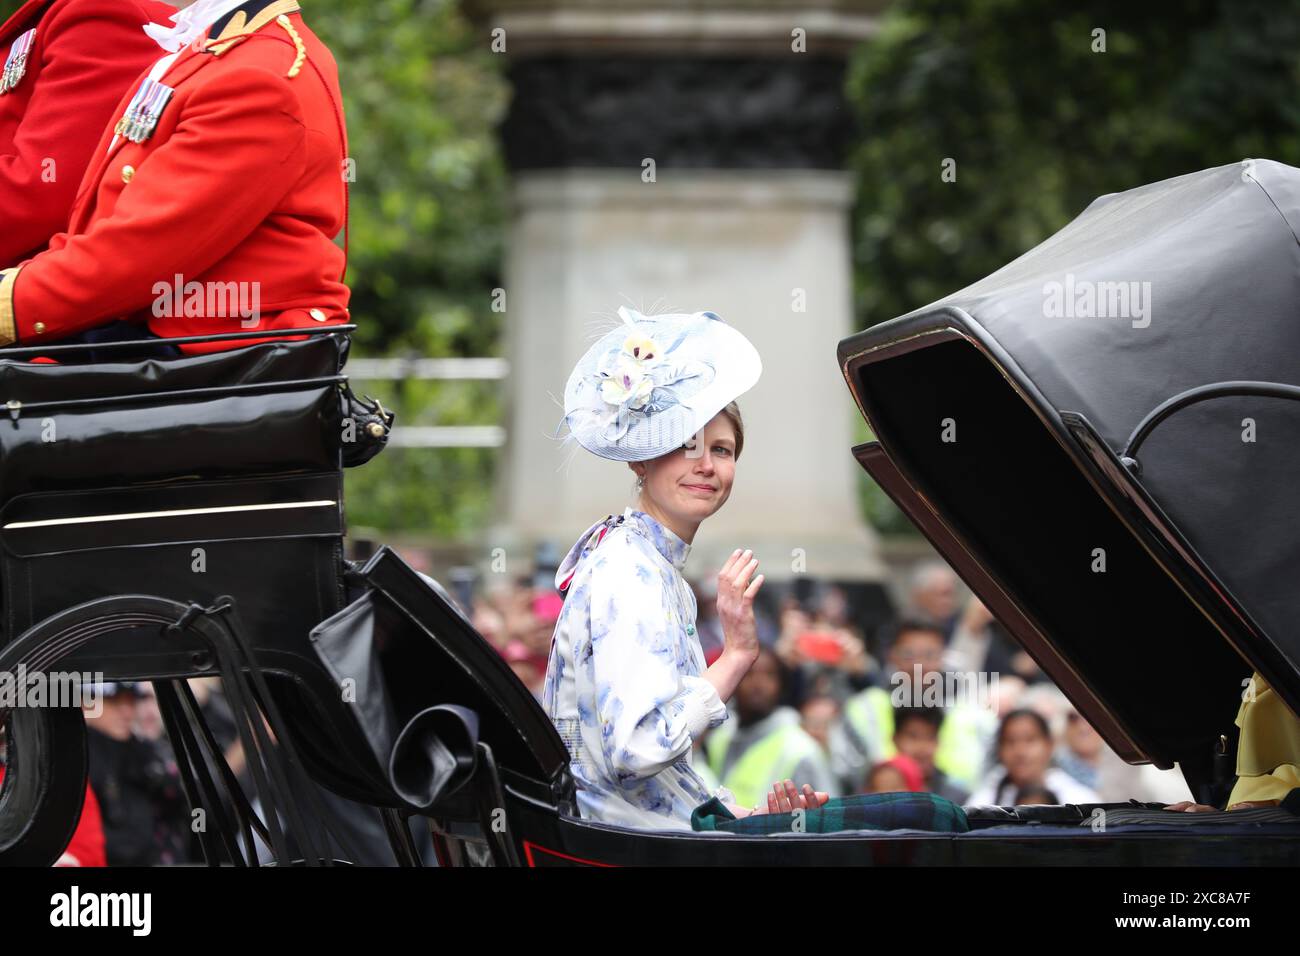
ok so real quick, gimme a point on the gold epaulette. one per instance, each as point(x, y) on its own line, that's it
point(297, 44)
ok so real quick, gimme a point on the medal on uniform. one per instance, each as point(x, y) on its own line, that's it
point(16, 62)
point(142, 113)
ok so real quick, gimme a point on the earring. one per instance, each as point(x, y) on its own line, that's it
point(640, 483)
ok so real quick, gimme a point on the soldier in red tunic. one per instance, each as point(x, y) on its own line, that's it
point(64, 64)
point(213, 202)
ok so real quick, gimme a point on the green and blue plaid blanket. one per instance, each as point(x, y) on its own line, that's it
point(862, 811)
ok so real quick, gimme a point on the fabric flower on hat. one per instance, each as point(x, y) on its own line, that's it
point(629, 381)
point(638, 378)
point(642, 348)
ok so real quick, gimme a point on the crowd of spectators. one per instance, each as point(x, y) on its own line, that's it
point(860, 706)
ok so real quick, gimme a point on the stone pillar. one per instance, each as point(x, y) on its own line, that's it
point(676, 158)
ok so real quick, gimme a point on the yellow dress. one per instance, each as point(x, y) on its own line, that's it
point(1268, 752)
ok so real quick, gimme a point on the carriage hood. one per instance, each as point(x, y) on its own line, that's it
point(1103, 437)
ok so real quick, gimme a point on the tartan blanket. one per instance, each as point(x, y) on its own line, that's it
point(861, 811)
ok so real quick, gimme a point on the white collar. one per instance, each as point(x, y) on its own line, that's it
point(191, 23)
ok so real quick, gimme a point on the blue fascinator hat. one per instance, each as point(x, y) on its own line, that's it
point(650, 384)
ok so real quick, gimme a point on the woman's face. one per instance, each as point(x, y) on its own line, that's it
point(694, 481)
point(1025, 751)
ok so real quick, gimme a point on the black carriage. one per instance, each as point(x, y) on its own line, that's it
point(1021, 435)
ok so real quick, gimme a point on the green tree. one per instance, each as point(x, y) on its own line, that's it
point(423, 97)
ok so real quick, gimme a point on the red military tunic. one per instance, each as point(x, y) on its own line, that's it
point(82, 58)
point(235, 197)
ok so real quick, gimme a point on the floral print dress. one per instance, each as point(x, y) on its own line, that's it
point(624, 683)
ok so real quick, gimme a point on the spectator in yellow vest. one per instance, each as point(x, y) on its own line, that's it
point(769, 743)
point(966, 729)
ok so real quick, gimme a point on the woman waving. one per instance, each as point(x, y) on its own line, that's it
point(626, 683)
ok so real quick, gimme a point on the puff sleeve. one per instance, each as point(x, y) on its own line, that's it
point(1276, 785)
point(636, 672)
point(1268, 752)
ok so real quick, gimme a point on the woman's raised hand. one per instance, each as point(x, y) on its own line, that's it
point(736, 603)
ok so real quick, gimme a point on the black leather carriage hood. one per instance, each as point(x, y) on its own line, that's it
point(1103, 437)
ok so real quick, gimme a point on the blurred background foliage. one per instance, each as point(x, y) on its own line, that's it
point(423, 98)
point(1040, 125)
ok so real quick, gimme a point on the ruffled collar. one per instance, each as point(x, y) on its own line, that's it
point(666, 542)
